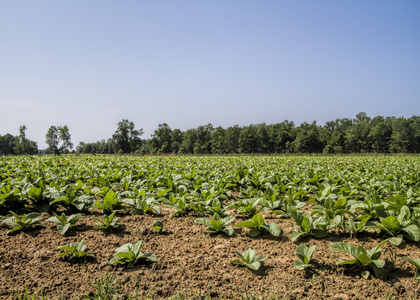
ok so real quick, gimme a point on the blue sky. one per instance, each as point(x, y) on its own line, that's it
point(90, 64)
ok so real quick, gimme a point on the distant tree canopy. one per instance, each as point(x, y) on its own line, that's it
point(362, 134)
point(19, 145)
point(54, 136)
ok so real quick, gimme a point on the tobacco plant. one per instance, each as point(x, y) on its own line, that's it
point(416, 264)
point(214, 206)
point(217, 225)
point(24, 222)
point(110, 203)
point(304, 254)
point(362, 258)
point(143, 206)
point(70, 201)
point(249, 258)
point(258, 226)
point(76, 250)
point(130, 254)
point(180, 205)
point(158, 226)
point(64, 223)
point(249, 207)
point(355, 227)
point(393, 226)
point(108, 222)
point(308, 226)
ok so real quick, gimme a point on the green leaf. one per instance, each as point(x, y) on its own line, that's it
point(347, 262)
point(254, 232)
point(246, 224)
point(254, 266)
point(110, 199)
point(365, 274)
point(305, 224)
point(364, 259)
point(344, 247)
point(258, 220)
point(300, 265)
point(296, 234)
point(237, 262)
point(396, 240)
point(274, 229)
point(229, 231)
point(414, 262)
point(391, 223)
point(413, 232)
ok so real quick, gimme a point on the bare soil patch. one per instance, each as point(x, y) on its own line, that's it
point(193, 263)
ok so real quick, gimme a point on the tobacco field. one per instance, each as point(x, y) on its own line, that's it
point(209, 227)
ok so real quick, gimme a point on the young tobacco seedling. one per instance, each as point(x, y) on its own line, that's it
point(257, 225)
point(130, 254)
point(307, 225)
point(27, 221)
point(217, 224)
point(158, 226)
point(356, 227)
point(110, 203)
point(364, 259)
point(393, 226)
point(143, 206)
point(64, 223)
point(415, 263)
point(181, 207)
point(214, 206)
point(76, 250)
point(304, 253)
point(108, 222)
point(249, 258)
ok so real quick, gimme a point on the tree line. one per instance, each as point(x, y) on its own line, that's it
point(362, 134)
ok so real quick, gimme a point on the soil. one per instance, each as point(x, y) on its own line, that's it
point(193, 263)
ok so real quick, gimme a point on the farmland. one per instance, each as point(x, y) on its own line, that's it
point(338, 203)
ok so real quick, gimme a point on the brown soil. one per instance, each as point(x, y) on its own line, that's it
point(193, 263)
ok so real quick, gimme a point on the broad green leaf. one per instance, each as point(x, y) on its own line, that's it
point(414, 262)
point(296, 234)
point(413, 232)
point(254, 266)
point(300, 265)
point(364, 259)
point(258, 220)
point(344, 247)
point(274, 229)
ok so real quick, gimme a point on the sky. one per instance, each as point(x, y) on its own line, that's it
point(91, 64)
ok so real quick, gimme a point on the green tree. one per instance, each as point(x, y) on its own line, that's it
point(401, 136)
point(380, 134)
point(7, 143)
point(162, 139)
point(307, 139)
point(126, 139)
point(189, 138)
point(232, 139)
point(52, 140)
point(248, 139)
point(176, 140)
point(264, 145)
point(64, 136)
point(23, 145)
point(217, 141)
point(361, 131)
point(203, 141)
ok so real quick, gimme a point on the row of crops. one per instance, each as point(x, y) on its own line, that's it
point(344, 196)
